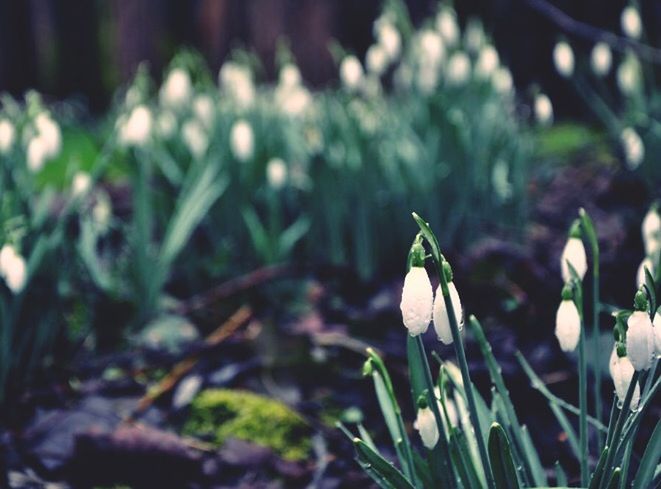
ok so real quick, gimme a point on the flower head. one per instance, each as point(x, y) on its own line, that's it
point(458, 69)
point(563, 58)
point(376, 59)
point(195, 137)
point(487, 62)
point(276, 173)
point(630, 22)
point(621, 371)
point(567, 324)
point(651, 230)
point(388, 38)
point(13, 268)
point(657, 332)
point(574, 254)
point(633, 148)
point(351, 73)
point(7, 136)
point(446, 25)
point(176, 89)
point(136, 130)
point(417, 300)
point(82, 182)
point(543, 109)
point(425, 423)
point(629, 75)
point(640, 340)
point(601, 59)
point(441, 318)
point(236, 82)
point(242, 140)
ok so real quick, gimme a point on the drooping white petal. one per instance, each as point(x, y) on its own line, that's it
point(417, 301)
point(176, 89)
point(242, 140)
point(574, 253)
point(425, 423)
point(640, 340)
point(13, 268)
point(351, 73)
point(563, 57)
point(543, 109)
point(601, 59)
point(633, 148)
point(276, 173)
point(7, 135)
point(441, 318)
point(651, 230)
point(630, 22)
point(622, 371)
point(567, 325)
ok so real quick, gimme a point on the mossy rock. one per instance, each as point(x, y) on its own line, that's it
point(220, 414)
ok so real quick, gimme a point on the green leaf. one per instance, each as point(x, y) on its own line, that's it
point(650, 285)
point(649, 461)
point(500, 457)
point(599, 470)
point(463, 460)
point(560, 476)
point(379, 469)
point(290, 236)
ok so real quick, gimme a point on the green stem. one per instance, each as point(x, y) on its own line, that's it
point(583, 406)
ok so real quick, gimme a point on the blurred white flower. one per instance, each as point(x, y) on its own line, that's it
point(203, 110)
point(628, 75)
point(417, 301)
point(176, 89)
point(502, 81)
point(567, 325)
point(236, 82)
point(640, 340)
point(487, 62)
point(102, 211)
point(601, 59)
point(631, 23)
point(563, 58)
point(7, 136)
point(289, 76)
point(351, 73)
point(195, 138)
point(136, 130)
point(49, 132)
point(242, 141)
point(651, 231)
point(458, 69)
point(574, 253)
point(13, 268)
point(446, 25)
point(425, 424)
point(622, 372)
point(431, 49)
point(474, 37)
point(166, 124)
point(82, 182)
point(293, 101)
point(640, 275)
point(543, 109)
point(500, 180)
point(450, 407)
point(376, 60)
point(388, 38)
point(633, 147)
point(276, 173)
point(441, 316)
point(36, 153)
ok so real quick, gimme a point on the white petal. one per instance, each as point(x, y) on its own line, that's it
point(417, 301)
point(441, 319)
point(425, 423)
point(567, 325)
point(574, 253)
point(622, 371)
point(640, 340)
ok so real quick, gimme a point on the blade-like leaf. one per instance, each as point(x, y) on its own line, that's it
point(500, 457)
point(380, 470)
point(649, 461)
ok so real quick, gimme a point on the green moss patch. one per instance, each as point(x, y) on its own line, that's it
point(222, 413)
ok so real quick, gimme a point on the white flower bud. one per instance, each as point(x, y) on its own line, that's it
point(425, 423)
point(289, 76)
point(36, 154)
point(631, 23)
point(563, 58)
point(487, 62)
point(601, 59)
point(417, 301)
point(441, 318)
point(81, 184)
point(633, 147)
point(176, 89)
point(628, 75)
point(502, 81)
point(242, 140)
point(49, 132)
point(12, 268)
point(351, 73)
point(543, 109)
point(102, 211)
point(651, 230)
point(376, 60)
point(7, 136)
point(446, 25)
point(622, 372)
point(567, 325)
point(450, 407)
point(458, 69)
point(574, 253)
point(276, 173)
point(431, 49)
point(195, 138)
point(236, 81)
point(203, 110)
point(640, 275)
point(640, 340)
point(136, 130)
point(388, 38)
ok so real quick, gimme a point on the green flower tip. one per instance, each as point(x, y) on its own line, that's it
point(621, 349)
point(368, 368)
point(567, 293)
point(640, 302)
point(417, 252)
point(575, 229)
point(422, 400)
point(447, 271)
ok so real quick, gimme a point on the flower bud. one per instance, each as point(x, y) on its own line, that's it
point(563, 57)
point(242, 140)
point(567, 325)
point(7, 136)
point(441, 318)
point(13, 268)
point(601, 59)
point(640, 340)
point(574, 253)
point(543, 109)
point(417, 300)
point(176, 89)
point(446, 25)
point(622, 371)
point(351, 73)
point(82, 182)
point(426, 425)
point(651, 230)
point(633, 148)
point(630, 22)
point(276, 173)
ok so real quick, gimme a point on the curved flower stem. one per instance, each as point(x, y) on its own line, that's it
point(458, 346)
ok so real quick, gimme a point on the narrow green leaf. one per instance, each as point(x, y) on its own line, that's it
point(379, 469)
point(463, 459)
point(560, 476)
point(500, 456)
point(650, 286)
point(650, 459)
point(598, 473)
point(614, 480)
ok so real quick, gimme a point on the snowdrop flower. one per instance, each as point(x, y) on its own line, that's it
point(293, 101)
point(487, 62)
point(81, 184)
point(441, 317)
point(567, 322)
point(563, 58)
point(633, 147)
point(425, 423)
point(640, 339)
point(657, 332)
point(351, 73)
point(574, 254)
point(289, 76)
point(543, 109)
point(622, 371)
point(166, 124)
point(276, 173)
point(458, 69)
point(236, 81)
point(136, 130)
point(49, 132)
point(12, 268)
point(601, 59)
point(430, 47)
point(176, 89)
point(36, 154)
point(203, 110)
point(376, 60)
point(195, 138)
point(446, 25)
point(651, 231)
point(502, 81)
point(102, 211)
point(417, 299)
point(640, 275)
point(474, 37)
point(242, 140)
point(7, 136)
point(388, 38)
point(629, 75)
point(450, 407)
point(631, 23)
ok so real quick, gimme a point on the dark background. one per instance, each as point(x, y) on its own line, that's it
point(85, 49)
